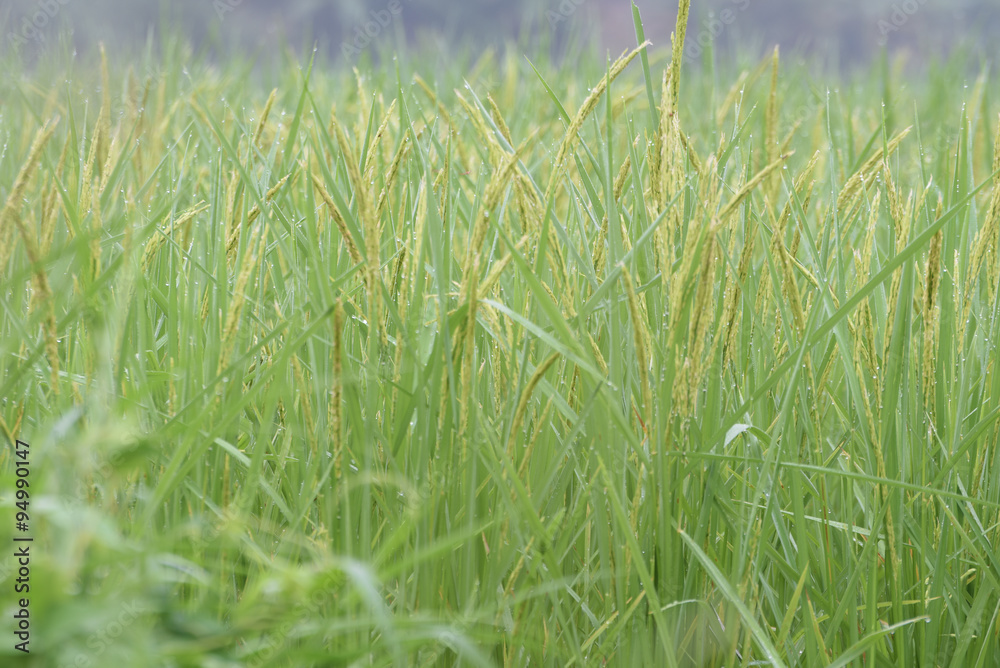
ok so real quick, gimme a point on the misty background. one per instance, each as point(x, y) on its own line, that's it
point(841, 33)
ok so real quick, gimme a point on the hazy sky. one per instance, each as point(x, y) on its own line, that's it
point(847, 29)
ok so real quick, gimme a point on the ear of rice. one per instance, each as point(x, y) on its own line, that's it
point(11, 215)
point(901, 226)
point(259, 130)
point(749, 187)
point(335, 426)
point(254, 249)
point(865, 174)
point(338, 220)
point(522, 404)
point(581, 115)
point(376, 140)
point(373, 245)
point(103, 136)
point(302, 388)
point(931, 321)
point(640, 336)
point(677, 53)
point(498, 119)
point(390, 176)
point(771, 150)
point(157, 240)
point(986, 238)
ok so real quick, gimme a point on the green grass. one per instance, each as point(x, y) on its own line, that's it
point(456, 375)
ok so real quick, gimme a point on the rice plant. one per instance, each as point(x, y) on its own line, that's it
point(638, 362)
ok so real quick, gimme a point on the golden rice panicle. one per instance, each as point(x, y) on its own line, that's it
point(11, 215)
point(104, 120)
point(498, 119)
point(371, 232)
point(441, 108)
point(522, 404)
point(390, 176)
point(900, 215)
point(495, 190)
point(302, 392)
point(599, 254)
point(416, 258)
point(865, 174)
point(803, 189)
point(156, 241)
point(486, 134)
point(731, 312)
point(686, 388)
point(931, 321)
point(581, 115)
point(334, 419)
point(254, 249)
point(50, 212)
point(655, 150)
point(640, 336)
point(338, 220)
point(87, 179)
point(469, 290)
point(866, 327)
point(735, 92)
point(376, 140)
point(677, 53)
point(259, 130)
point(255, 211)
point(468, 355)
point(771, 132)
point(749, 187)
point(986, 239)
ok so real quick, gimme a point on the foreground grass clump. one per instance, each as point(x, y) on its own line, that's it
point(579, 367)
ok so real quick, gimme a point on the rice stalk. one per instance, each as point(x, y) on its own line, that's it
point(677, 53)
point(255, 248)
point(901, 217)
point(749, 187)
point(336, 428)
point(338, 220)
point(259, 130)
point(865, 174)
point(985, 239)
point(390, 176)
point(931, 322)
point(376, 140)
point(10, 215)
point(771, 150)
point(372, 239)
point(103, 135)
point(155, 242)
point(522, 404)
point(589, 104)
point(640, 336)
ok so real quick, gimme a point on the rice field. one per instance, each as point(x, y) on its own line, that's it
point(509, 363)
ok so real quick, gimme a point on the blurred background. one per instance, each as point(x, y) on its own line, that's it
point(841, 33)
